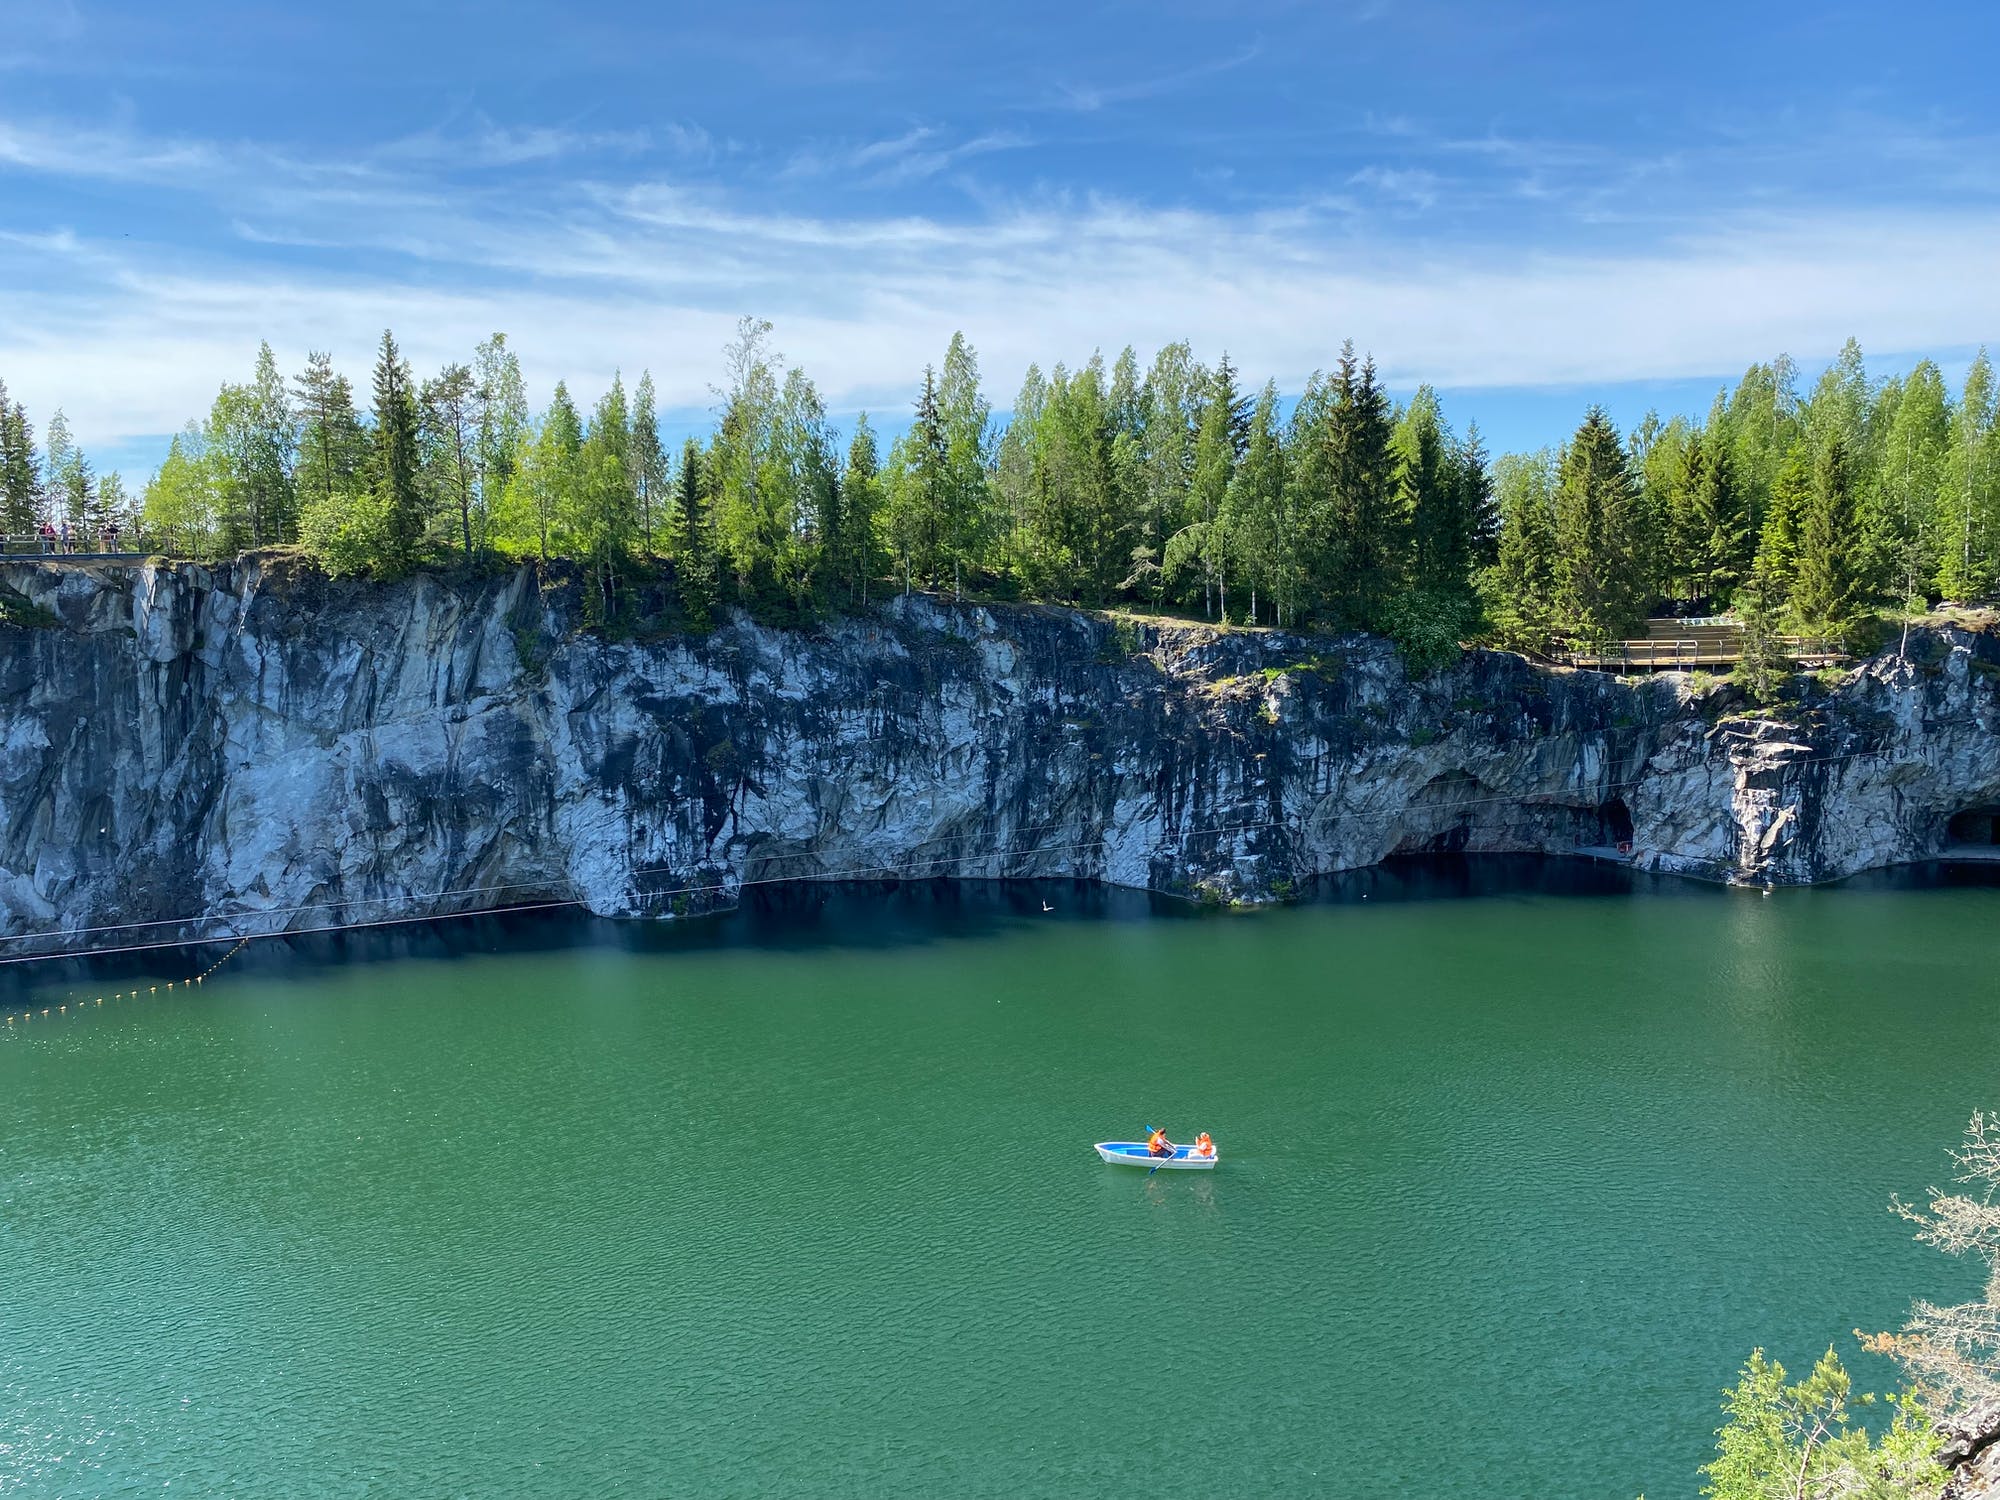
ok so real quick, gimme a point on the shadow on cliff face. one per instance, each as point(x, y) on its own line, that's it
point(853, 915)
point(902, 914)
point(1470, 877)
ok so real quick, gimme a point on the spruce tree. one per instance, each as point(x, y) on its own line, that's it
point(393, 459)
point(1430, 494)
point(20, 502)
point(1827, 588)
point(1759, 422)
point(79, 503)
point(648, 459)
point(1600, 571)
point(966, 416)
point(918, 490)
point(1213, 465)
point(1521, 586)
point(332, 442)
point(1712, 523)
point(1261, 531)
point(1761, 667)
point(694, 541)
point(1778, 541)
point(858, 559)
point(1477, 502)
point(1363, 531)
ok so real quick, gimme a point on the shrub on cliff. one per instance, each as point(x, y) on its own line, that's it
point(1806, 1438)
point(1787, 1441)
point(1428, 627)
point(346, 534)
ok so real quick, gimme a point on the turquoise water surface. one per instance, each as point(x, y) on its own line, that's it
point(1520, 1161)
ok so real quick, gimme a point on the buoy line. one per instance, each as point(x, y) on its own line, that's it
point(136, 992)
point(913, 869)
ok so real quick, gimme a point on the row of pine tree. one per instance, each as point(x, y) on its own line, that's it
point(1172, 487)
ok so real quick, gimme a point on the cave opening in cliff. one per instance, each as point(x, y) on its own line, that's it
point(1617, 821)
point(1975, 825)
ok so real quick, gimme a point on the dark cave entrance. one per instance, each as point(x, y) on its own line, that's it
point(1617, 821)
point(1976, 825)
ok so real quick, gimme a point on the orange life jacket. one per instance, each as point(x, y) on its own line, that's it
point(1157, 1138)
point(1203, 1145)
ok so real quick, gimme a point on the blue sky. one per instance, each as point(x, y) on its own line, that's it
point(1529, 206)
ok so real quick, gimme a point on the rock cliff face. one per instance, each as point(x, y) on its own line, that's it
point(266, 749)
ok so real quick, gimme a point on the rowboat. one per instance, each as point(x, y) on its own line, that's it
point(1135, 1154)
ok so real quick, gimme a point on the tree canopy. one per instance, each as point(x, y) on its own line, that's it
point(1162, 485)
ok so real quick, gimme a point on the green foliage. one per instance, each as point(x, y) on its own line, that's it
point(1785, 1441)
point(1600, 561)
point(21, 612)
point(1827, 584)
point(1519, 589)
point(646, 461)
point(347, 532)
point(1161, 486)
point(1120, 644)
point(1761, 669)
point(251, 443)
point(397, 504)
point(694, 538)
point(179, 506)
point(1428, 626)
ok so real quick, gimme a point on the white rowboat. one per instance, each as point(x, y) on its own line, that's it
point(1135, 1154)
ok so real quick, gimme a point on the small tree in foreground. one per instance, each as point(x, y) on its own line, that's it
point(1953, 1353)
point(1805, 1441)
point(1762, 667)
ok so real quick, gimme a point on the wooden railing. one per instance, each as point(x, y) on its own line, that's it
point(1708, 650)
point(33, 544)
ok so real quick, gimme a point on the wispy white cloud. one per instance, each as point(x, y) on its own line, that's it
point(919, 152)
point(1416, 186)
point(1090, 97)
point(486, 144)
point(133, 336)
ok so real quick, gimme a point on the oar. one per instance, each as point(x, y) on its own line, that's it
point(1163, 1160)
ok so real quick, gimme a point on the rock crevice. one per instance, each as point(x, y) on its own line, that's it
point(266, 749)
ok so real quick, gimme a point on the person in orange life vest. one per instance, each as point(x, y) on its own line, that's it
point(1157, 1144)
point(1203, 1146)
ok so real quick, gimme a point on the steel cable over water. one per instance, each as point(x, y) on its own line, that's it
point(916, 869)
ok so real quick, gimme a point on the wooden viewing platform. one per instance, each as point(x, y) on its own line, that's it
point(1685, 645)
point(27, 547)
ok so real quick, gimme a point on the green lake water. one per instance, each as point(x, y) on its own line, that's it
point(1520, 1161)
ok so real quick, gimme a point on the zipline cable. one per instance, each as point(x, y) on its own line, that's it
point(1430, 811)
